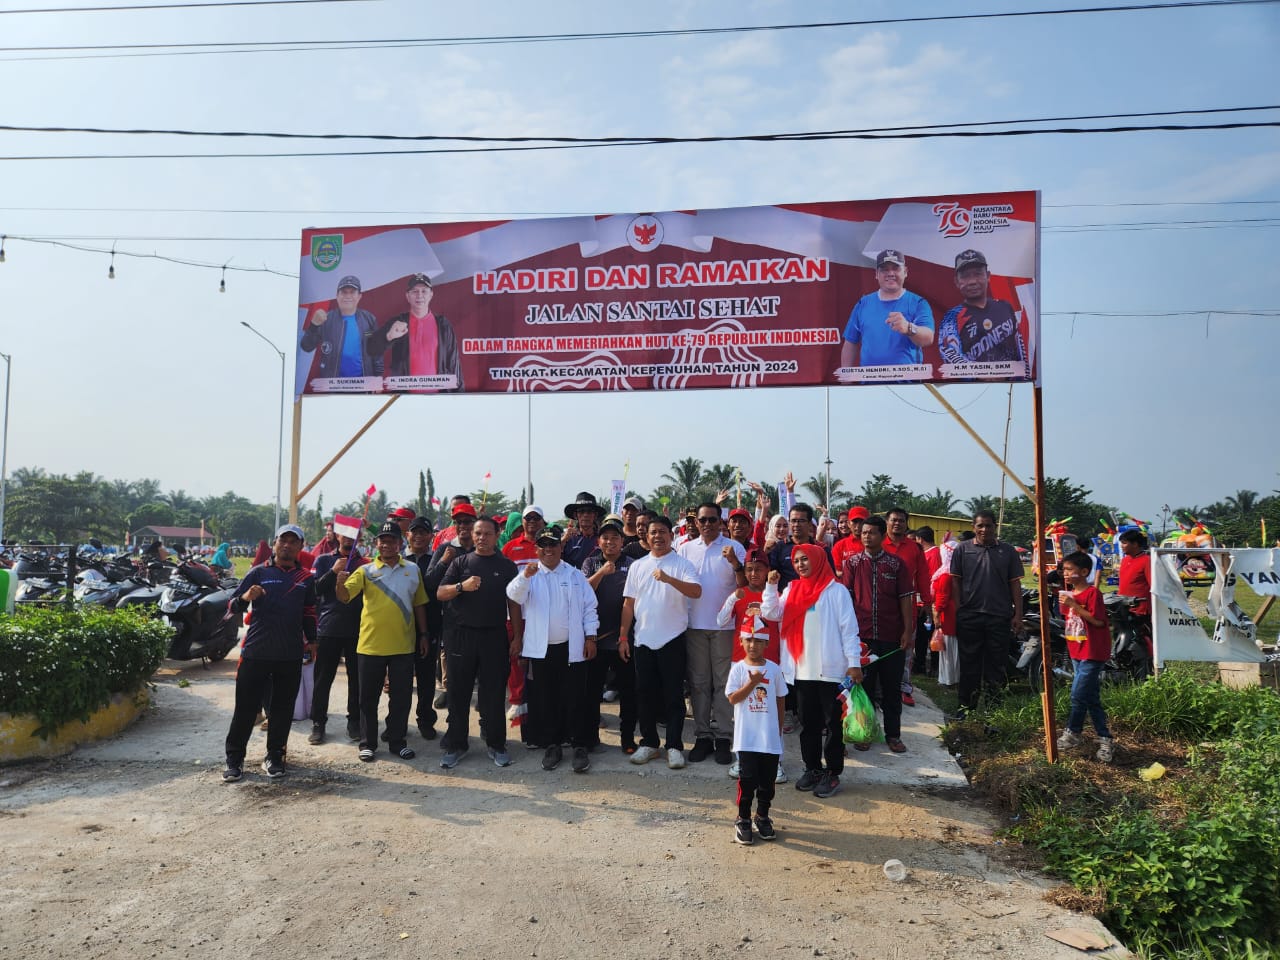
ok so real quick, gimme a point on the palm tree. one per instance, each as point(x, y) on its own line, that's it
point(817, 485)
point(940, 503)
point(1243, 503)
point(981, 502)
point(720, 476)
point(683, 481)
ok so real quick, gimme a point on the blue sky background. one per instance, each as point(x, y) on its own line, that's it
point(151, 375)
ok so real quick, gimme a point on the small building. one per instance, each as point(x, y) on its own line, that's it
point(186, 537)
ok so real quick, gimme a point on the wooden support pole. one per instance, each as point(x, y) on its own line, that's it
point(296, 447)
point(1017, 481)
point(1046, 650)
point(339, 455)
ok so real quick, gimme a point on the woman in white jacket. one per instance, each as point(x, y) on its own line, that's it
point(820, 647)
point(558, 638)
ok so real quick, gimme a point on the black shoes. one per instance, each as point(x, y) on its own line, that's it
point(828, 786)
point(742, 832)
point(581, 761)
point(764, 827)
point(724, 755)
point(232, 774)
point(427, 731)
point(353, 729)
point(809, 779)
point(702, 748)
point(317, 733)
point(551, 759)
point(273, 768)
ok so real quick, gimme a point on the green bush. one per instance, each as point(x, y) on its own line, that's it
point(61, 665)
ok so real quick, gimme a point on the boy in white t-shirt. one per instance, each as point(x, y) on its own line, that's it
point(756, 688)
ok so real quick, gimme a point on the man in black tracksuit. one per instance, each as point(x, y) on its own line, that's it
point(282, 597)
point(424, 663)
point(338, 626)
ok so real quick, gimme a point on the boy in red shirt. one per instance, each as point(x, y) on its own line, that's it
point(1089, 644)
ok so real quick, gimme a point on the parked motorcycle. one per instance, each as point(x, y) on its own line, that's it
point(1130, 642)
point(1026, 659)
point(194, 605)
point(1131, 648)
point(102, 582)
point(42, 576)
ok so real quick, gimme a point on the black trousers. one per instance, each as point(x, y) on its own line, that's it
point(252, 678)
point(881, 680)
point(820, 729)
point(756, 775)
point(556, 692)
point(921, 663)
point(984, 655)
point(477, 654)
point(624, 681)
point(660, 691)
point(398, 671)
point(329, 650)
point(424, 671)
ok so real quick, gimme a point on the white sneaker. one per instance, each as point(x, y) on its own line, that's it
point(644, 754)
point(675, 759)
point(734, 770)
point(782, 775)
point(1069, 740)
point(1106, 750)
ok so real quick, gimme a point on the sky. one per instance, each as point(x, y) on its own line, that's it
point(152, 375)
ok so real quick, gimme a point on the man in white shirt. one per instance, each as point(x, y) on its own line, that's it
point(656, 599)
point(716, 559)
point(557, 637)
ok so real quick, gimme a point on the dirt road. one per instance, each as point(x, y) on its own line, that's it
point(135, 848)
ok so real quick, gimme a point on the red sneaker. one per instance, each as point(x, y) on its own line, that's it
point(908, 700)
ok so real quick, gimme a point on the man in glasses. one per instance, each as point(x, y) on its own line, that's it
point(716, 560)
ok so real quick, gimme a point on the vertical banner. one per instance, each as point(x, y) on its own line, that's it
point(936, 289)
point(617, 495)
point(786, 499)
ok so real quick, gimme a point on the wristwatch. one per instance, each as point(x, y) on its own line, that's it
point(912, 329)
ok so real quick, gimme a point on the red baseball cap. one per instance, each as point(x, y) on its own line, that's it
point(857, 513)
point(402, 513)
point(756, 555)
point(464, 510)
point(740, 512)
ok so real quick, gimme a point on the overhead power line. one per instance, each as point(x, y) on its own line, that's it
point(626, 140)
point(773, 138)
point(285, 46)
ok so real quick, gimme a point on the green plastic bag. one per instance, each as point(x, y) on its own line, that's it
point(860, 723)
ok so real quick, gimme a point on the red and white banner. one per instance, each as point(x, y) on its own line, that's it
point(939, 289)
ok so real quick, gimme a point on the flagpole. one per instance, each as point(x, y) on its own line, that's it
point(528, 446)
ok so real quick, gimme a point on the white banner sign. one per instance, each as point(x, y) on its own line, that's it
point(619, 493)
point(1176, 631)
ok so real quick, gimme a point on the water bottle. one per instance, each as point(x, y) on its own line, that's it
point(895, 870)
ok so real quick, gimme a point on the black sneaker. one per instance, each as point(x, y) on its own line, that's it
point(273, 768)
point(764, 827)
point(426, 731)
point(809, 779)
point(383, 737)
point(353, 729)
point(232, 774)
point(742, 832)
point(724, 755)
point(702, 748)
point(317, 733)
point(441, 700)
point(551, 759)
point(828, 786)
point(581, 761)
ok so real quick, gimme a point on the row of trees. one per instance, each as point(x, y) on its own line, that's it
point(61, 508)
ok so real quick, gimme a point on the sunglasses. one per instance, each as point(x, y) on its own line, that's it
point(708, 519)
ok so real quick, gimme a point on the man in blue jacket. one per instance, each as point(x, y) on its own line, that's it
point(340, 335)
point(282, 597)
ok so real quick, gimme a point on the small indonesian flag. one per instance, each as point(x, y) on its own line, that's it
point(371, 491)
point(435, 501)
point(487, 477)
point(346, 526)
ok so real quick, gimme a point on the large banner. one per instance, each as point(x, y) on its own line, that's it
point(938, 289)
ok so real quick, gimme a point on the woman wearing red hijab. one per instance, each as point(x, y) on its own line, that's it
point(820, 647)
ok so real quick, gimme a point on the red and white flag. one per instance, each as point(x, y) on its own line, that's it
point(346, 526)
point(435, 501)
point(371, 491)
point(487, 477)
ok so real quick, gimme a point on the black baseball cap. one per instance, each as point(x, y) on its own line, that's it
point(890, 256)
point(970, 258)
point(550, 536)
point(420, 523)
point(350, 281)
point(416, 279)
point(389, 529)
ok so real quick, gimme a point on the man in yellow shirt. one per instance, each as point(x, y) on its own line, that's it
point(392, 624)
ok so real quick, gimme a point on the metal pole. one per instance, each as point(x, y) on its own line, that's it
point(4, 444)
point(1046, 649)
point(279, 443)
point(528, 434)
point(827, 390)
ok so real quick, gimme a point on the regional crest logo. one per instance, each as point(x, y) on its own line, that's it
point(326, 251)
point(644, 233)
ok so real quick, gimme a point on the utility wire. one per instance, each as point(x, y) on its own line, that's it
point(286, 46)
point(154, 256)
point(772, 138)
point(626, 141)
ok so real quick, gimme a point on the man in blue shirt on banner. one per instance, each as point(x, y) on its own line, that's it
point(891, 325)
point(340, 335)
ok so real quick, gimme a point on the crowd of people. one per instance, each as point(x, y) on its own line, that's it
point(751, 625)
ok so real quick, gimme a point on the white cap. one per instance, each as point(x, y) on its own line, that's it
point(291, 528)
point(535, 509)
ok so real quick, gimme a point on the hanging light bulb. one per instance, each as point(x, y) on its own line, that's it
point(222, 284)
point(111, 270)
point(2, 240)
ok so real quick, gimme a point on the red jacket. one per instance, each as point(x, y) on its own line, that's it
point(910, 553)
